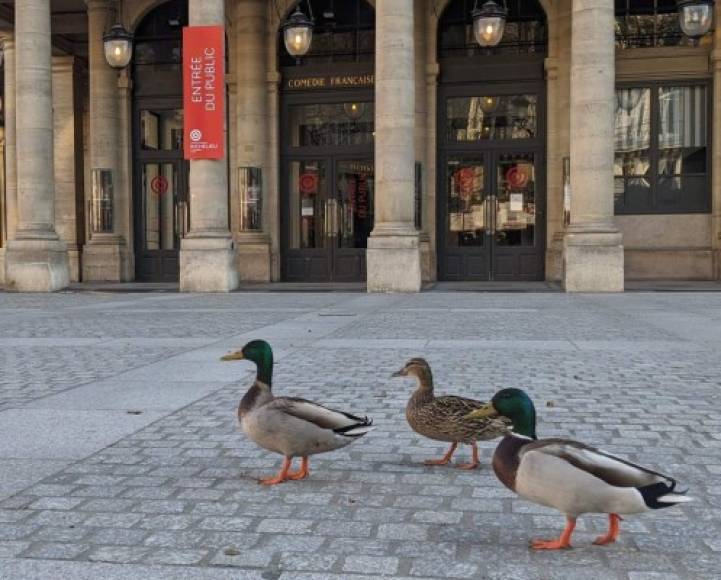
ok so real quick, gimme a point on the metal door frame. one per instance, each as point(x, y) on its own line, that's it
point(141, 157)
point(490, 151)
point(329, 155)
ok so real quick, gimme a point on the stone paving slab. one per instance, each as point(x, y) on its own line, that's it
point(19, 474)
point(62, 433)
point(122, 394)
point(176, 496)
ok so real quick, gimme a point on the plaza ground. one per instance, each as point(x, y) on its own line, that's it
point(121, 456)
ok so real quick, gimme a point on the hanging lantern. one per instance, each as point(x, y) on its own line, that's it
point(489, 21)
point(354, 111)
point(298, 33)
point(118, 44)
point(695, 17)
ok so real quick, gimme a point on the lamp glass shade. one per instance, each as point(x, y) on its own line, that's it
point(489, 104)
point(489, 22)
point(118, 45)
point(298, 34)
point(354, 111)
point(695, 17)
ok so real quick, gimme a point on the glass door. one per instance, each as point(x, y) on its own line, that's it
point(309, 221)
point(351, 211)
point(164, 219)
point(489, 217)
point(517, 240)
point(329, 219)
point(466, 218)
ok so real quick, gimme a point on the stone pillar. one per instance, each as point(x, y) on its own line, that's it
point(105, 255)
point(252, 135)
point(432, 72)
point(207, 253)
point(593, 250)
point(11, 185)
point(67, 151)
point(393, 247)
point(36, 260)
point(716, 144)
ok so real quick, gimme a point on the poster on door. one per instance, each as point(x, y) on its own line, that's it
point(204, 92)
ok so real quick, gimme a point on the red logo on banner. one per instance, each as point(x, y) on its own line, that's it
point(204, 91)
point(159, 185)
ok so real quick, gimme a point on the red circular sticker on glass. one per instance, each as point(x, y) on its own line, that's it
point(159, 185)
point(517, 177)
point(465, 181)
point(308, 183)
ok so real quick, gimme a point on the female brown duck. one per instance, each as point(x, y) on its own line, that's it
point(445, 418)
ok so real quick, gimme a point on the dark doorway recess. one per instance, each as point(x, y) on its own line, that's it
point(160, 175)
point(326, 147)
point(491, 194)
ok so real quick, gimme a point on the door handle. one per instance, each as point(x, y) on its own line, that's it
point(326, 218)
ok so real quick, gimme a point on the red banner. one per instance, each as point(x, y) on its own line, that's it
point(204, 92)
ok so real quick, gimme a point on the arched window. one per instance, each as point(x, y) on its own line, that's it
point(158, 38)
point(344, 32)
point(525, 32)
point(649, 23)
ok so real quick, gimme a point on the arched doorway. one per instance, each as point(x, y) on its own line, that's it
point(491, 147)
point(160, 189)
point(327, 176)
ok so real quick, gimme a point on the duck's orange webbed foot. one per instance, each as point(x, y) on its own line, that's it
point(282, 476)
point(475, 462)
point(302, 473)
point(446, 458)
point(614, 530)
point(562, 543)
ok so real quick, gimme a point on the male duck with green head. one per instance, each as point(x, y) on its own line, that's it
point(570, 476)
point(290, 426)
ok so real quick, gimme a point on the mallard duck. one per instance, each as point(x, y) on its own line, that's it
point(570, 476)
point(290, 426)
point(445, 418)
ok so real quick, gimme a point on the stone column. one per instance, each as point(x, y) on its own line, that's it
point(593, 250)
point(36, 261)
point(252, 134)
point(207, 253)
point(105, 255)
point(9, 110)
point(11, 186)
point(432, 72)
point(67, 150)
point(716, 145)
point(393, 248)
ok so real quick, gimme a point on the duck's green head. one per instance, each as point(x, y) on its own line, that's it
point(259, 352)
point(516, 405)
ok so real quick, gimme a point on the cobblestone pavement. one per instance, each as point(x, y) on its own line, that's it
point(121, 456)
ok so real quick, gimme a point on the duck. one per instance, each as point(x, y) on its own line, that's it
point(445, 418)
point(570, 476)
point(290, 426)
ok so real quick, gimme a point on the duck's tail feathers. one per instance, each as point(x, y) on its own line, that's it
point(358, 429)
point(662, 495)
point(674, 498)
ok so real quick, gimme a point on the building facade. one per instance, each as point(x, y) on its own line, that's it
point(585, 148)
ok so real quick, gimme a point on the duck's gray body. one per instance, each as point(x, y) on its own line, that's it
point(296, 427)
point(576, 479)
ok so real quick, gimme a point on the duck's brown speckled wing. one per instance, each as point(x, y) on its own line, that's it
point(444, 418)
